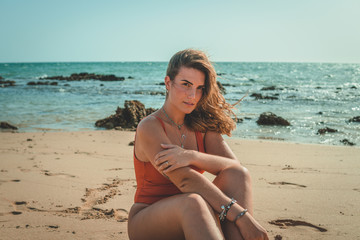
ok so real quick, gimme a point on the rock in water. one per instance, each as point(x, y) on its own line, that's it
point(326, 130)
point(5, 125)
point(7, 83)
point(269, 118)
point(347, 142)
point(126, 118)
point(86, 76)
point(355, 119)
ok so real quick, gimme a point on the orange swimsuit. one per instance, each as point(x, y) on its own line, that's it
point(152, 186)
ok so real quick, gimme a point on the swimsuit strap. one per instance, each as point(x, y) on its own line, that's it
point(162, 123)
point(200, 141)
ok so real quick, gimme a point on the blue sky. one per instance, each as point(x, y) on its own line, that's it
point(153, 30)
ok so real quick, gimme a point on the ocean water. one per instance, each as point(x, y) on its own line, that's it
point(310, 96)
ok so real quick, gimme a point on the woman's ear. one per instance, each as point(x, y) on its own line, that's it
point(167, 82)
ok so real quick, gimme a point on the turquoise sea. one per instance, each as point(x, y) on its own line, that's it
point(310, 96)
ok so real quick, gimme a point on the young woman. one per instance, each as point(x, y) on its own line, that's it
point(174, 146)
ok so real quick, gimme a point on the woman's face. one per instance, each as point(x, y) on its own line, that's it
point(186, 90)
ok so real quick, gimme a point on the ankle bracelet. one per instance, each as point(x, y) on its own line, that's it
point(225, 210)
point(240, 215)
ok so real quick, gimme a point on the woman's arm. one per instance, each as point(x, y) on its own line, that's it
point(218, 156)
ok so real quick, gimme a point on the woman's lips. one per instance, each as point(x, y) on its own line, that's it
point(189, 104)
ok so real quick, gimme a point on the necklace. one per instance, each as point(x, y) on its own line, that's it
point(179, 126)
point(182, 135)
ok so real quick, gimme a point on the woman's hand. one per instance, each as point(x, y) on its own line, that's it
point(250, 228)
point(173, 157)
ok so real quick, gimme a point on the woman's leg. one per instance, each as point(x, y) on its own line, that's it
point(235, 182)
point(183, 216)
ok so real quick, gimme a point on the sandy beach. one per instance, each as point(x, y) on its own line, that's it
point(80, 185)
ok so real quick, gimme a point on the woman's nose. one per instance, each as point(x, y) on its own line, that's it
point(191, 93)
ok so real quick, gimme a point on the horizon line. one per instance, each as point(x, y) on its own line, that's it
point(319, 62)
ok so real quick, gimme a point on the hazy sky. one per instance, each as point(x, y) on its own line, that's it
point(153, 30)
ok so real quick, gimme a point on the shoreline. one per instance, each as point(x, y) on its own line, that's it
point(264, 138)
point(65, 185)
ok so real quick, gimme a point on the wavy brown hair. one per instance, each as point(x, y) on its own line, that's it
point(212, 112)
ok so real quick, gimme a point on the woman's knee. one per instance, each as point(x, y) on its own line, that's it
point(193, 200)
point(194, 203)
point(236, 174)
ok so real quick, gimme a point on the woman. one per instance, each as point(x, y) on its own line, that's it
point(174, 146)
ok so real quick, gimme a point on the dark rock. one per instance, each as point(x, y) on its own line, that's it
point(42, 83)
point(269, 118)
point(5, 125)
point(353, 87)
point(238, 120)
point(149, 93)
point(162, 84)
point(86, 76)
point(130, 77)
point(271, 88)
point(221, 87)
point(347, 142)
point(7, 83)
point(258, 96)
point(320, 113)
point(1, 78)
point(278, 237)
point(228, 85)
point(149, 111)
point(127, 118)
point(326, 130)
point(355, 119)
point(220, 74)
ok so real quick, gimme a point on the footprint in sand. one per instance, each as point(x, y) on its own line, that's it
point(99, 196)
point(16, 210)
point(5, 181)
point(287, 183)
point(283, 223)
point(114, 169)
point(47, 173)
point(92, 197)
point(288, 167)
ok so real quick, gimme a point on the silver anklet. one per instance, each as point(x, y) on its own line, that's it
point(225, 210)
point(240, 215)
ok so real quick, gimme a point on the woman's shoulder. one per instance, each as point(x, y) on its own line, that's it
point(149, 124)
point(212, 137)
point(211, 134)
